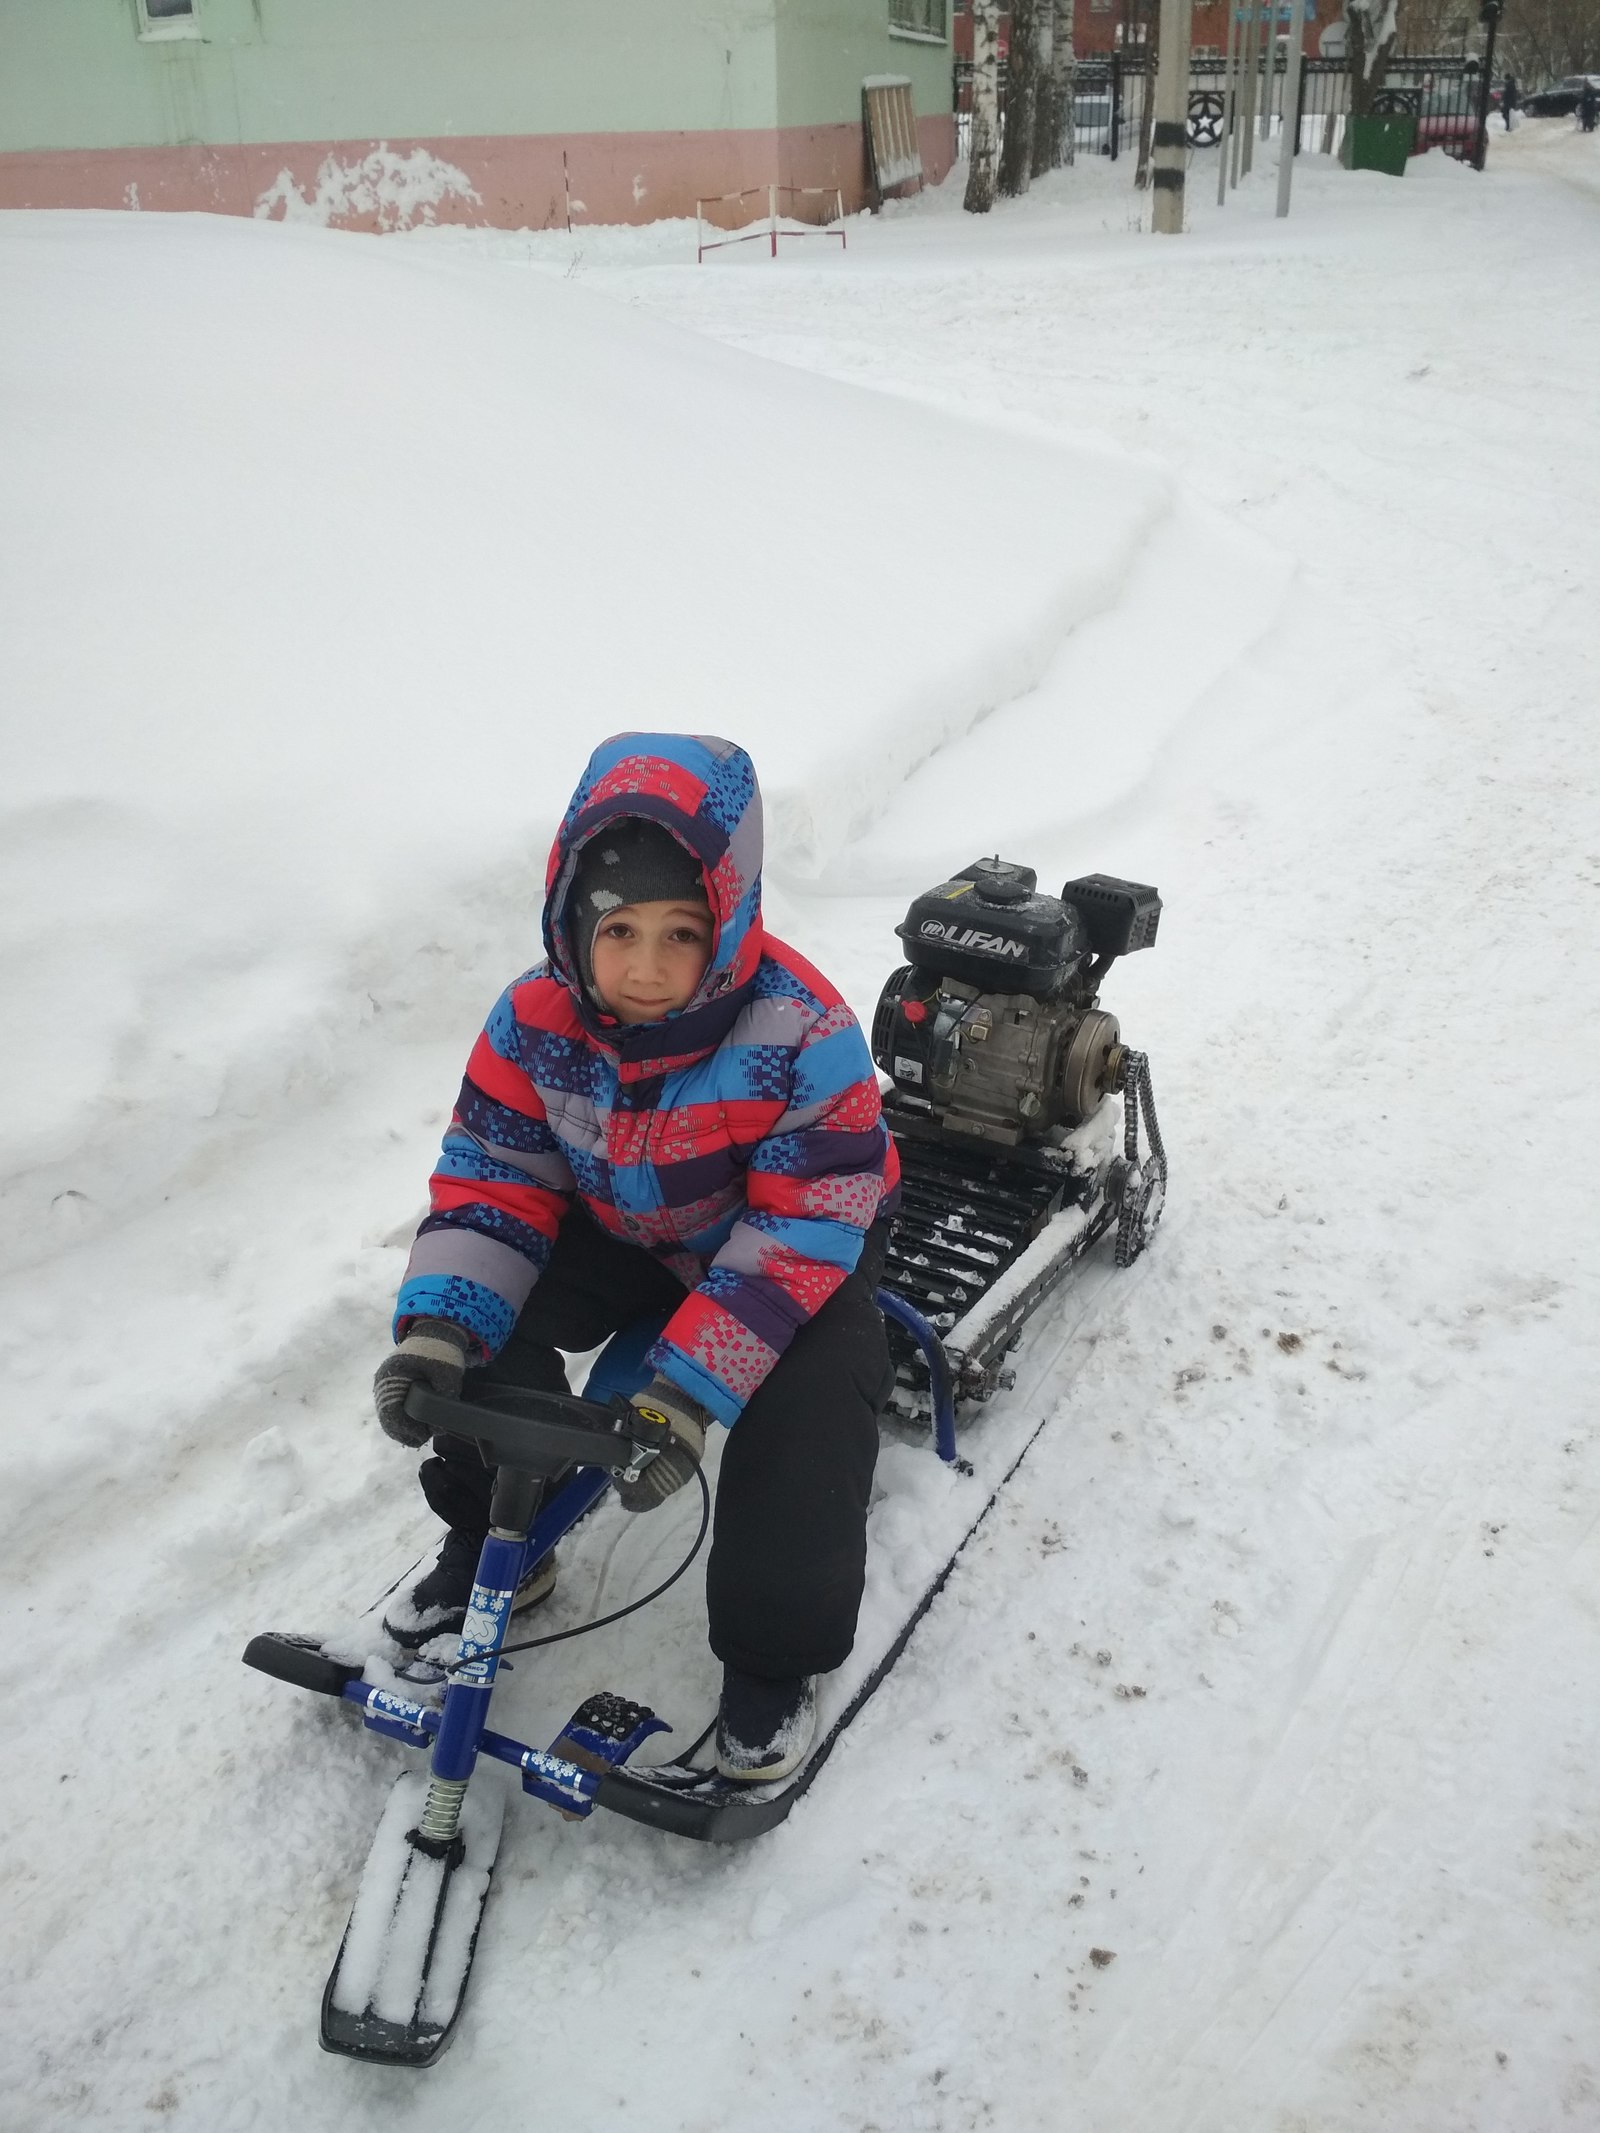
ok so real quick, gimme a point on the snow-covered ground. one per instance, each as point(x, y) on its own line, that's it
point(1242, 1779)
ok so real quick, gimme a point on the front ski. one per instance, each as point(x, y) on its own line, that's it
point(401, 1972)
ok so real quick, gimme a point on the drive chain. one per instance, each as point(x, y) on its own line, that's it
point(1136, 1085)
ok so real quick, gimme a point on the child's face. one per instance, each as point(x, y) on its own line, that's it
point(648, 959)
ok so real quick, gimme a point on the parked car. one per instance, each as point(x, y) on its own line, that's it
point(1091, 121)
point(1447, 118)
point(1560, 101)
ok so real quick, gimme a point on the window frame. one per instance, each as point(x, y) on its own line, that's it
point(160, 29)
point(916, 33)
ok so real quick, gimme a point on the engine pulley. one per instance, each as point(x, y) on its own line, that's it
point(1091, 1062)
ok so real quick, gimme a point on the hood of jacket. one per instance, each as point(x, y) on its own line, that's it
point(704, 791)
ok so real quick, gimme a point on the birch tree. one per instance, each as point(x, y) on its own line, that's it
point(1544, 39)
point(1022, 75)
point(1046, 119)
point(1063, 74)
point(1371, 27)
point(983, 139)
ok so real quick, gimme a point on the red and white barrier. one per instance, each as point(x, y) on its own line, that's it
point(775, 225)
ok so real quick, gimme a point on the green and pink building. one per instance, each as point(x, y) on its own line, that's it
point(514, 113)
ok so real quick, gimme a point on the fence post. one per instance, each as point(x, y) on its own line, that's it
point(1269, 64)
point(1288, 149)
point(1116, 103)
point(1488, 14)
point(1230, 99)
point(1250, 66)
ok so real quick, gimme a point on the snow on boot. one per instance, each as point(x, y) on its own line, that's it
point(764, 1727)
point(436, 1605)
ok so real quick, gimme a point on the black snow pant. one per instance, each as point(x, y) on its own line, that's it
point(789, 1546)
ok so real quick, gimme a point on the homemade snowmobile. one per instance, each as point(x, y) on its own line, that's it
point(1017, 1112)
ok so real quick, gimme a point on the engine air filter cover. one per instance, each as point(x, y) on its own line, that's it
point(1118, 916)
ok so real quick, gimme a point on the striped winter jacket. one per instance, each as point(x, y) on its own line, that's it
point(741, 1140)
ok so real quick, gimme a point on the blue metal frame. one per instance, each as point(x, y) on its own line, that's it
point(547, 1776)
point(466, 1698)
point(939, 1385)
point(458, 1732)
point(570, 1503)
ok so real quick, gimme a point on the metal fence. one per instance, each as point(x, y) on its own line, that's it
point(1442, 91)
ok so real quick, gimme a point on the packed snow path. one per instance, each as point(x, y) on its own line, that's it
point(1243, 1777)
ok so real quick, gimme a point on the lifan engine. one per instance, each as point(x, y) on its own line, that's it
point(992, 1032)
point(1025, 1128)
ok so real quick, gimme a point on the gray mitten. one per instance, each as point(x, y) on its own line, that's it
point(667, 1472)
point(433, 1354)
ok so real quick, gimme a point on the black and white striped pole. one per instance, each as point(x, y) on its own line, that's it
point(1170, 138)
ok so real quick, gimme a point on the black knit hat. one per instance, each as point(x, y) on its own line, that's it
point(634, 861)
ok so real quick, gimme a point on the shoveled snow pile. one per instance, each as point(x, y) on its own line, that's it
point(1241, 1779)
point(308, 636)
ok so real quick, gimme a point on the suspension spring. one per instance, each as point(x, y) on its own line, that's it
point(441, 1813)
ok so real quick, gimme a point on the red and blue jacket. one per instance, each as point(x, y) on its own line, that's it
point(740, 1140)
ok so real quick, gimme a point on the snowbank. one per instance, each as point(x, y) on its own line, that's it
point(326, 562)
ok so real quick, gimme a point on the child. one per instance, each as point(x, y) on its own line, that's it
point(673, 1114)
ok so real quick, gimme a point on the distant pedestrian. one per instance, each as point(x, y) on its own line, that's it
point(1510, 101)
point(1589, 104)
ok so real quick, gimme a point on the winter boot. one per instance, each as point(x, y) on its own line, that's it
point(436, 1604)
point(764, 1727)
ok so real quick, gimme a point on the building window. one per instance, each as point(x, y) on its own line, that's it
point(168, 18)
point(918, 18)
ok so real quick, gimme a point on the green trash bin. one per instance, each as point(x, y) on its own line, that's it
point(1382, 141)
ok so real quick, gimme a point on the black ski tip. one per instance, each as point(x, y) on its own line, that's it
point(368, 2036)
point(300, 1661)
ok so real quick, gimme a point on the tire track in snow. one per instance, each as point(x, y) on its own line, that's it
point(1074, 755)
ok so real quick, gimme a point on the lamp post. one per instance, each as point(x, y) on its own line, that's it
point(1289, 137)
point(1489, 16)
point(1170, 139)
